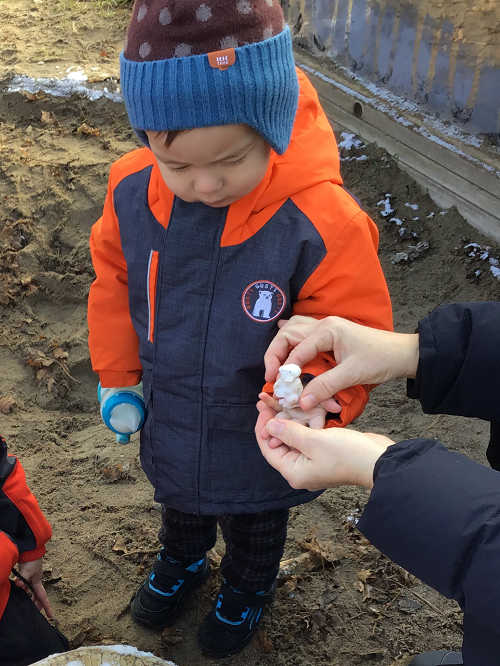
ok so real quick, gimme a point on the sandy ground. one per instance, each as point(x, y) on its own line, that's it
point(343, 603)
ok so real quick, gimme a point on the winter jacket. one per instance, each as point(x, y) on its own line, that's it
point(189, 297)
point(433, 511)
point(23, 528)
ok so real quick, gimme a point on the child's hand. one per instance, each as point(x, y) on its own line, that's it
point(32, 572)
point(314, 418)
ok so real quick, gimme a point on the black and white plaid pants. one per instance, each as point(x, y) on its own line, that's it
point(254, 544)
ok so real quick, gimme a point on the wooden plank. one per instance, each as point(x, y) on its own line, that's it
point(449, 178)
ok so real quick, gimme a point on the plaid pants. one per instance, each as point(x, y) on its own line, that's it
point(254, 544)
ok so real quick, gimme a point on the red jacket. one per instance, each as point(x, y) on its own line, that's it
point(24, 530)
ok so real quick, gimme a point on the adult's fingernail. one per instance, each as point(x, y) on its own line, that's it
point(274, 428)
point(309, 401)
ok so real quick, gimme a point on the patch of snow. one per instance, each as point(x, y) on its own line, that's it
point(443, 212)
point(362, 158)
point(412, 206)
point(396, 220)
point(477, 273)
point(60, 87)
point(350, 141)
point(430, 216)
point(416, 218)
point(495, 271)
point(388, 210)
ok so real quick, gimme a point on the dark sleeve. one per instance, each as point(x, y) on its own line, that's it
point(21, 519)
point(459, 367)
point(437, 514)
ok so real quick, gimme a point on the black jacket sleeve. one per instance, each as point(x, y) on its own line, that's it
point(437, 514)
point(433, 511)
point(459, 368)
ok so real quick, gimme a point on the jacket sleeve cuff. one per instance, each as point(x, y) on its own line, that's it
point(32, 555)
point(110, 379)
point(353, 401)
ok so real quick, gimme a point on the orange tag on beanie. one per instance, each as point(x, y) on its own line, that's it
point(222, 59)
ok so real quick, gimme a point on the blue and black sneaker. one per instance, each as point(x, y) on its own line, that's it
point(161, 597)
point(233, 621)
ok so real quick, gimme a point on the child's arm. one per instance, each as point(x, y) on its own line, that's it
point(348, 283)
point(113, 342)
point(24, 530)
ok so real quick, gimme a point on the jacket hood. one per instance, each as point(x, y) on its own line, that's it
point(311, 158)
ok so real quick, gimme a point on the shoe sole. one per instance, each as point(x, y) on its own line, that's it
point(231, 653)
point(178, 607)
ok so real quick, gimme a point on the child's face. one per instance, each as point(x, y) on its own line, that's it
point(214, 165)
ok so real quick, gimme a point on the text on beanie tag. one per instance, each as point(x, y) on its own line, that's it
point(222, 59)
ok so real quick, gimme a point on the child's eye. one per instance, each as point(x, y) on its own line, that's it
point(236, 162)
point(176, 169)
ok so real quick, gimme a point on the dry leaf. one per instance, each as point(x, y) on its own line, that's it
point(30, 97)
point(6, 404)
point(365, 574)
point(329, 551)
point(119, 545)
point(171, 636)
point(87, 130)
point(366, 590)
point(359, 586)
point(103, 54)
point(60, 353)
point(116, 473)
point(36, 358)
point(47, 118)
point(262, 641)
point(303, 563)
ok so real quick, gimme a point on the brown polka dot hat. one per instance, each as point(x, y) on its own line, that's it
point(188, 64)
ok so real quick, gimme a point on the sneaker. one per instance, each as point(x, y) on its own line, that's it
point(232, 622)
point(442, 658)
point(161, 597)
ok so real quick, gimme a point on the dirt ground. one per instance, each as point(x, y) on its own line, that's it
point(342, 602)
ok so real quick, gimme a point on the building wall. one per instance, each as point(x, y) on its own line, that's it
point(442, 54)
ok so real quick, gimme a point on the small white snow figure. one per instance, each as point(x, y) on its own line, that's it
point(263, 305)
point(288, 386)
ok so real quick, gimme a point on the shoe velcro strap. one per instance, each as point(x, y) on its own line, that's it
point(172, 570)
point(237, 600)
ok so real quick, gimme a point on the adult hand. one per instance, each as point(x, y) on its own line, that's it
point(364, 355)
point(32, 572)
point(314, 418)
point(317, 459)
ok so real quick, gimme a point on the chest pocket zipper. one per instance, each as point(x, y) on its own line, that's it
point(151, 287)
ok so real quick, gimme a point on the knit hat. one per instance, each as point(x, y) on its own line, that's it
point(189, 64)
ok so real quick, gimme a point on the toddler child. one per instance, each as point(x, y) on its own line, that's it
point(25, 635)
point(232, 217)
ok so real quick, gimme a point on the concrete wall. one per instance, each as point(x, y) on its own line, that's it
point(442, 54)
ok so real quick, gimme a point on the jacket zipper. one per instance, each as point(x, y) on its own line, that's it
point(151, 290)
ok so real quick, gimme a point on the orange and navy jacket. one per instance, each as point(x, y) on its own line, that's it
point(23, 528)
point(188, 297)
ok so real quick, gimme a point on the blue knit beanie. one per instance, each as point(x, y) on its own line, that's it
point(189, 64)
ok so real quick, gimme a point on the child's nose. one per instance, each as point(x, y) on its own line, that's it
point(207, 184)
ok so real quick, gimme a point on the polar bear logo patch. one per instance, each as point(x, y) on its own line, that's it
point(263, 305)
point(263, 301)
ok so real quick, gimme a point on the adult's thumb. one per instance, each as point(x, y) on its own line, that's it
point(325, 386)
point(293, 434)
